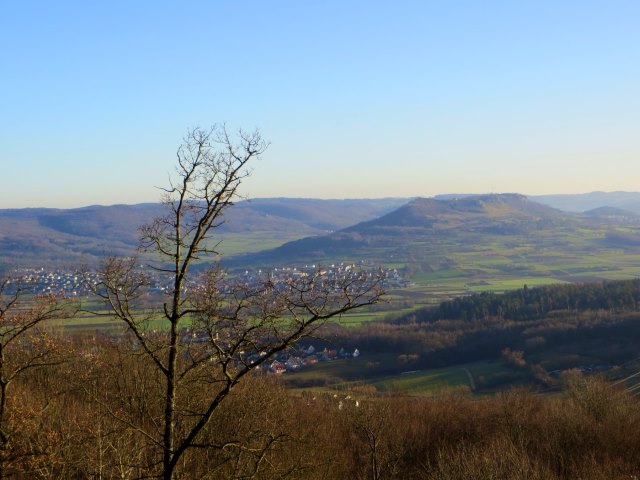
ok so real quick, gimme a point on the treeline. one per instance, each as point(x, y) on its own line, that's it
point(599, 319)
point(534, 303)
point(90, 406)
point(68, 422)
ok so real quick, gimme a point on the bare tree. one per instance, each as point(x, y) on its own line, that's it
point(214, 330)
point(372, 423)
point(24, 346)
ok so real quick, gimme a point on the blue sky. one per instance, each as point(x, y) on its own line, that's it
point(358, 98)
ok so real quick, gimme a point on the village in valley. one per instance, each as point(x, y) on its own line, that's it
point(69, 283)
point(307, 357)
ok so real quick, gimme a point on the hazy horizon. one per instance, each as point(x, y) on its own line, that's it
point(358, 99)
point(408, 197)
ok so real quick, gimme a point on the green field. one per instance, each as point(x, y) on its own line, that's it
point(439, 269)
point(249, 242)
point(498, 264)
point(424, 382)
point(386, 374)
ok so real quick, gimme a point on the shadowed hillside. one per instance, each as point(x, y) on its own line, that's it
point(484, 212)
point(588, 201)
point(427, 222)
point(487, 242)
point(48, 237)
point(611, 212)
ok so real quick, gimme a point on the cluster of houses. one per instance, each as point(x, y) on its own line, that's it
point(71, 284)
point(41, 281)
point(291, 360)
point(305, 358)
point(286, 361)
point(391, 277)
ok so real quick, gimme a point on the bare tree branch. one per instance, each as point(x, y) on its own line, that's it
point(230, 321)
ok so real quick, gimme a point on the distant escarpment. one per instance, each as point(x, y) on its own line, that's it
point(46, 237)
point(426, 224)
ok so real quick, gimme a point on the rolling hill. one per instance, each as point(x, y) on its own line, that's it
point(478, 242)
point(459, 220)
point(460, 242)
point(500, 213)
point(589, 201)
point(59, 237)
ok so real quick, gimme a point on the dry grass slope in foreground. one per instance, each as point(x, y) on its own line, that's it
point(68, 420)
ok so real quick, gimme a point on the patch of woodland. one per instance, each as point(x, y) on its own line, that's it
point(595, 320)
point(72, 423)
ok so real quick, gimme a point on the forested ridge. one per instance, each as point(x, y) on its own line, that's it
point(66, 424)
point(599, 320)
point(532, 303)
point(84, 405)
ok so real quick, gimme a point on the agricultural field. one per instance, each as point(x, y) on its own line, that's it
point(371, 371)
point(233, 243)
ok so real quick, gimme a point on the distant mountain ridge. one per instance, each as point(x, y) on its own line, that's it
point(427, 221)
point(574, 202)
point(429, 212)
point(584, 202)
point(48, 236)
point(361, 228)
point(611, 212)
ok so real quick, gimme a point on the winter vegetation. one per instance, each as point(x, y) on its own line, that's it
point(160, 362)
